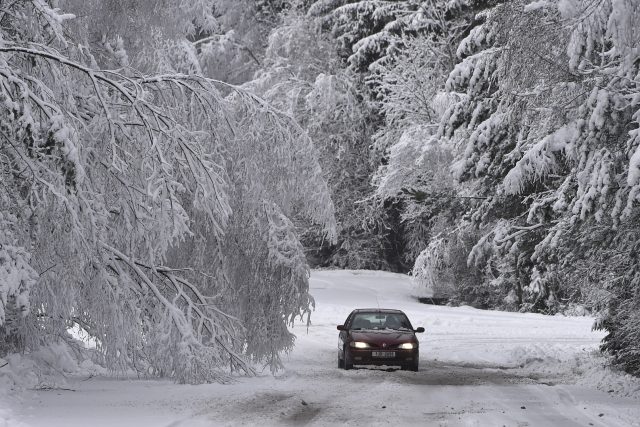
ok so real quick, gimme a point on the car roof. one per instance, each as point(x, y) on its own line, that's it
point(377, 310)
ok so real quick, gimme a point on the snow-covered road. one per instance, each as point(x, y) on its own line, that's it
point(476, 368)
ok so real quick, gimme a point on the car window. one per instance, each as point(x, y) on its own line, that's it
point(349, 319)
point(379, 320)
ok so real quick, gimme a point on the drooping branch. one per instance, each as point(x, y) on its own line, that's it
point(182, 318)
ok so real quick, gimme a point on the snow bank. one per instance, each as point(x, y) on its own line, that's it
point(46, 369)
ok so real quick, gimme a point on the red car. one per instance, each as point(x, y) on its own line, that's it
point(373, 336)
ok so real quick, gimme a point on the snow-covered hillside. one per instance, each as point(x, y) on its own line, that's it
point(476, 368)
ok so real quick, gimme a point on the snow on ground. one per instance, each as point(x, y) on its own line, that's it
point(477, 368)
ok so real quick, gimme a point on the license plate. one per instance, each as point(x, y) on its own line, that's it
point(383, 354)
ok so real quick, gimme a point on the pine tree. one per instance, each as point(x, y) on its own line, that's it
point(368, 31)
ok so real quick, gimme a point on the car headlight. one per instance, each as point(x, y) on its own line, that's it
point(358, 344)
point(408, 346)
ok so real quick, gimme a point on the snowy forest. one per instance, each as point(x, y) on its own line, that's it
point(171, 170)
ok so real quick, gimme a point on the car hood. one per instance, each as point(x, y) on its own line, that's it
point(387, 336)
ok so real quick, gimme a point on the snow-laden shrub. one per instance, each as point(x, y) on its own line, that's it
point(432, 271)
point(17, 277)
point(621, 321)
point(443, 272)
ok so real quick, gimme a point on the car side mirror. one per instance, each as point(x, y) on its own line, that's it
point(419, 330)
point(341, 328)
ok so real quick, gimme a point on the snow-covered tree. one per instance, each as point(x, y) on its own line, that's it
point(111, 176)
point(236, 50)
point(303, 75)
point(545, 130)
point(410, 94)
point(480, 124)
point(368, 30)
point(405, 49)
point(17, 277)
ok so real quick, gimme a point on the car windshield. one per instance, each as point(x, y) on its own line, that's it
point(395, 321)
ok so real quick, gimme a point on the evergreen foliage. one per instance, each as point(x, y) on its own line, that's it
point(509, 143)
point(541, 118)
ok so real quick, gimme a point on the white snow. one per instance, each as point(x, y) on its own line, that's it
point(540, 159)
point(535, 5)
point(476, 368)
point(569, 8)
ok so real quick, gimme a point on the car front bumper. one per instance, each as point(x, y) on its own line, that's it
point(382, 357)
